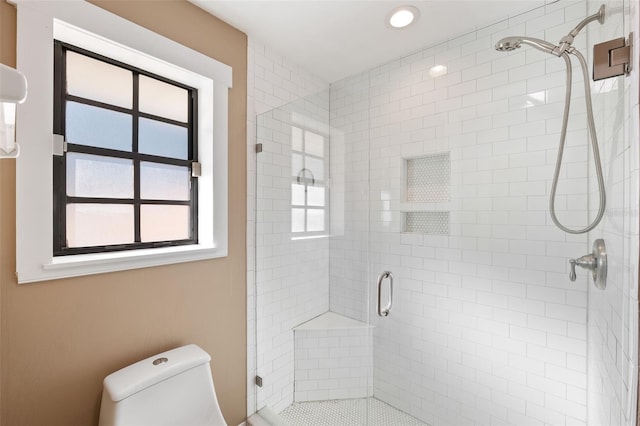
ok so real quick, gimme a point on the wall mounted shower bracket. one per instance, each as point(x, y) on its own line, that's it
point(612, 58)
point(596, 262)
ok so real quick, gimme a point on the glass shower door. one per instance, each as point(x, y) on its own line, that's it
point(485, 325)
point(613, 311)
point(313, 340)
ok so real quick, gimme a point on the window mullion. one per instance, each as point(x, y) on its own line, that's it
point(193, 156)
point(59, 169)
point(306, 184)
point(136, 162)
point(106, 152)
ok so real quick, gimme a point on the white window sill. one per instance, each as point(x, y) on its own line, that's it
point(309, 237)
point(98, 263)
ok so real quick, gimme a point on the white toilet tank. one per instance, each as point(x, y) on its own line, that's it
point(172, 388)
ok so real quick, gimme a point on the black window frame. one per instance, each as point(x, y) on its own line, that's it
point(60, 197)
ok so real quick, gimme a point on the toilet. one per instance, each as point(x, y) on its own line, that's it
point(172, 388)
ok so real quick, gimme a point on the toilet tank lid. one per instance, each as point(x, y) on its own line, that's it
point(136, 377)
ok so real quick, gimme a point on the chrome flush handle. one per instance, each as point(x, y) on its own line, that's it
point(596, 262)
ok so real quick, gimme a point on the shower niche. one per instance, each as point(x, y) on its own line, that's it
point(425, 194)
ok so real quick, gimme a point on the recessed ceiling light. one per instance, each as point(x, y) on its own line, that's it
point(437, 71)
point(402, 16)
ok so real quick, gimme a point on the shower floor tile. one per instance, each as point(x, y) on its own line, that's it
point(347, 412)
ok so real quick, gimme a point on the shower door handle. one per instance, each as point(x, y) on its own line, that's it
point(385, 312)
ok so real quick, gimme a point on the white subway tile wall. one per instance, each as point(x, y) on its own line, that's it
point(350, 238)
point(272, 81)
point(486, 327)
point(333, 364)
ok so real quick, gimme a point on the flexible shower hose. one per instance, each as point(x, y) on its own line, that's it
point(594, 145)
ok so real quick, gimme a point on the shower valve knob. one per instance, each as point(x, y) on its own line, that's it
point(572, 273)
point(595, 262)
point(587, 262)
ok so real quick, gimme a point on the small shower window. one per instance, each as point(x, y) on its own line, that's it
point(309, 191)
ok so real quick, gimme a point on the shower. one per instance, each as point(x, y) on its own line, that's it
point(563, 50)
point(442, 183)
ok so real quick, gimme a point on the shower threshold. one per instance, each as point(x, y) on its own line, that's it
point(347, 412)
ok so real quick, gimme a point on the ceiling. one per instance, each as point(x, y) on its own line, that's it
point(334, 39)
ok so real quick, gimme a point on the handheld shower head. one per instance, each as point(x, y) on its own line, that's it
point(508, 44)
point(563, 50)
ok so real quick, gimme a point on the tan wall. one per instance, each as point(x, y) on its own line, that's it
point(59, 339)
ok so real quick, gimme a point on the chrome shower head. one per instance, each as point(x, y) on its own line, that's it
point(508, 44)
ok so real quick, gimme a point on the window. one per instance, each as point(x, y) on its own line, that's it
point(125, 180)
point(90, 35)
point(309, 189)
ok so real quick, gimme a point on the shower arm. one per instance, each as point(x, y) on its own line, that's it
point(567, 41)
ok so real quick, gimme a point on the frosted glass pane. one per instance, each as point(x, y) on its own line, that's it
point(164, 182)
point(297, 220)
point(315, 220)
point(99, 127)
point(296, 138)
point(164, 223)
point(315, 196)
point(164, 100)
point(93, 79)
point(99, 224)
point(97, 176)
point(313, 144)
point(297, 194)
point(316, 166)
point(296, 165)
point(163, 139)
